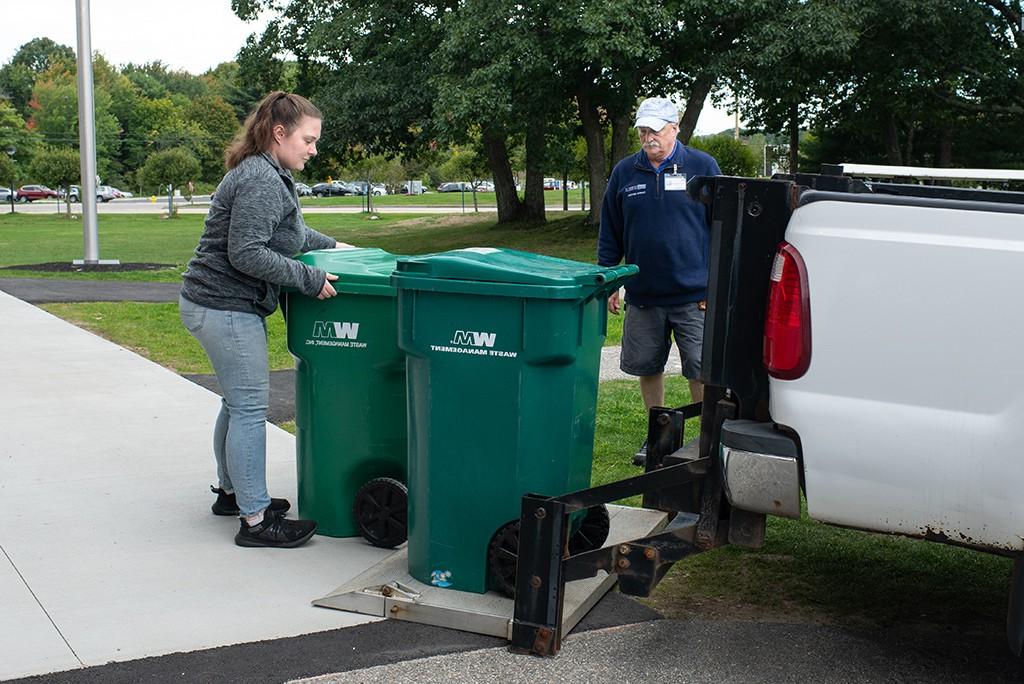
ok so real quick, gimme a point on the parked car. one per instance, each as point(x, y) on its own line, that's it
point(358, 187)
point(118, 193)
point(303, 190)
point(104, 193)
point(552, 184)
point(412, 188)
point(6, 194)
point(455, 187)
point(332, 189)
point(31, 193)
point(378, 188)
point(484, 186)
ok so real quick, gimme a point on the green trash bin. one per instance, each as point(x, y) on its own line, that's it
point(503, 360)
point(350, 399)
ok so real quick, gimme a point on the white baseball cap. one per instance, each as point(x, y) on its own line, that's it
point(655, 113)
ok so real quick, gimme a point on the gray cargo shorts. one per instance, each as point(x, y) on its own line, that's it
point(647, 333)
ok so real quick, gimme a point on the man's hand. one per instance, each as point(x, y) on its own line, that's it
point(328, 290)
point(614, 305)
point(342, 245)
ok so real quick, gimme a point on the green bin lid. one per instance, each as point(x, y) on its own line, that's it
point(510, 272)
point(359, 271)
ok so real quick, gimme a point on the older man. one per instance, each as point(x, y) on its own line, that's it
point(649, 219)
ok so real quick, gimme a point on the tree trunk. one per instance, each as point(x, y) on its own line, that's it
point(892, 141)
point(533, 199)
point(794, 137)
point(945, 157)
point(622, 128)
point(694, 104)
point(596, 169)
point(505, 195)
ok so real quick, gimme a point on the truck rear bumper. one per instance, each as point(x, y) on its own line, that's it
point(760, 468)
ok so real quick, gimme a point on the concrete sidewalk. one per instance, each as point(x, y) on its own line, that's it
point(109, 550)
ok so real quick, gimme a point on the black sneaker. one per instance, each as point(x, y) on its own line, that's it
point(275, 531)
point(226, 504)
point(640, 457)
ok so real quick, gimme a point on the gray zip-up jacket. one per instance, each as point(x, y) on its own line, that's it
point(253, 229)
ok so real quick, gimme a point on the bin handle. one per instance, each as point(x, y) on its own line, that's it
point(611, 280)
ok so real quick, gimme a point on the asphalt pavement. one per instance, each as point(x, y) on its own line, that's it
point(47, 290)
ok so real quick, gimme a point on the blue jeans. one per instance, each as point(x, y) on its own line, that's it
point(236, 343)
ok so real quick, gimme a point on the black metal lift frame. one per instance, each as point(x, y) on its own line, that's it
point(748, 219)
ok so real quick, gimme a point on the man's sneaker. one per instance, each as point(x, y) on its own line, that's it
point(226, 504)
point(640, 457)
point(275, 531)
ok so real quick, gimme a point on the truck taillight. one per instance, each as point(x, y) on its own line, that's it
point(787, 327)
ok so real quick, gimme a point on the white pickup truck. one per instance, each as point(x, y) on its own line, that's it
point(867, 336)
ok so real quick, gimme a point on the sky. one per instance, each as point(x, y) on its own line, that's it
point(194, 35)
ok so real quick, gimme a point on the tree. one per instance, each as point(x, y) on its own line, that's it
point(465, 164)
point(734, 157)
point(216, 119)
point(18, 77)
point(170, 169)
point(259, 69)
point(378, 169)
point(54, 107)
point(59, 167)
point(8, 170)
point(790, 63)
point(14, 133)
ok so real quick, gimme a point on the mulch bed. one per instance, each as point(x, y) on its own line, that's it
point(68, 267)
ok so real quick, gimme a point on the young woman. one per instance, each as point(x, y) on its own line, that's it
point(232, 284)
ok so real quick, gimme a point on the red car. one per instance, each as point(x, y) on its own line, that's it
point(31, 193)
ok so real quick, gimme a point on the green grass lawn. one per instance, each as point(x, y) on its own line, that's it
point(35, 239)
point(936, 596)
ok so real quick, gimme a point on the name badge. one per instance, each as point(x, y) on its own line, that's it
point(675, 181)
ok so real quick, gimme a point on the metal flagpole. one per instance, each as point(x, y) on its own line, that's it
point(87, 139)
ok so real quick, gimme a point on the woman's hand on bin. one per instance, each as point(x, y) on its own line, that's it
point(328, 290)
point(343, 245)
point(614, 306)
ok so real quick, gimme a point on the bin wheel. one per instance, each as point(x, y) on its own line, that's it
point(593, 531)
point(380, 510)
point(502, 556)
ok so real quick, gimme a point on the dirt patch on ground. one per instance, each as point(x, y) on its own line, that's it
point(68, 267)
point(437, 220)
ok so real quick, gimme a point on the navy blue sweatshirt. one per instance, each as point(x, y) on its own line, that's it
point(664, 232)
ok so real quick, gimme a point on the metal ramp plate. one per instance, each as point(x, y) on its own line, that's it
point(388, 590)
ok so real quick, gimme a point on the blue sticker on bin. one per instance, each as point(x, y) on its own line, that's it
point(441, 578)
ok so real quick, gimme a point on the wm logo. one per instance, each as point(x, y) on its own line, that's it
point(335, 330)
point(468, 338)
